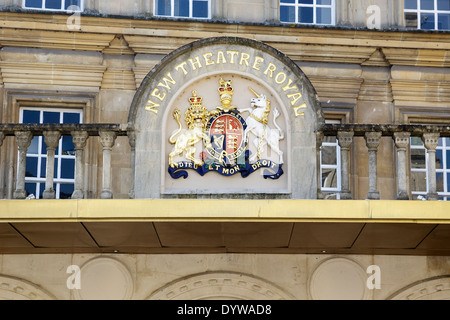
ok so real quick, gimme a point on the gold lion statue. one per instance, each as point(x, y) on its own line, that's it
point(196, 118)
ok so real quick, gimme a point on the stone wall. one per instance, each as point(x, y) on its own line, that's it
point(230, 276)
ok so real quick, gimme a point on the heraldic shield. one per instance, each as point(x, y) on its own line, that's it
point(219, 140)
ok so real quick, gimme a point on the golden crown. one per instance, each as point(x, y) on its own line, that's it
point(225, 86)
point(195, 101)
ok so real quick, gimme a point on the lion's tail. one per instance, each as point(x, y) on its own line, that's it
point(176, 115)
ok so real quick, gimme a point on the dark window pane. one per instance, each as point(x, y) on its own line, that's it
point(427, 21)
point(324, 2)
point(66, 191)
point(33, 3)
point(200, 9)
point(306, 1)
point(287, 14)
point(71, 117)
point(68, 148)
point(67, 169)
point(323, 15)
point(418, 159)
point(287, 1)
point(181, 8)
point(448, 159)
point(51, 117)
point(41, 187)
point(329, 155)
point(75, 3)
point(443, 21)
point(443, 5)
point(410, 4)
point(31, 116)
point(31, 167)
point(43, 168)
point(30, 188)
point(53, 4)
point(427, 4)
point(34, 146)
point(439, 160)
point(306, 15)
point(163, 7)
point(440, 182)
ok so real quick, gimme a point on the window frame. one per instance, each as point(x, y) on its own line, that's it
point(63, 3)
point(298, 5)
point(419, 12)
point(330, 191)
point(172, 9)
point(443, 146)
point(40, 178)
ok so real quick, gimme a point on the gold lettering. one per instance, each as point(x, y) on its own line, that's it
point(195, 63)
point(270, 68)
point(221, 57)
point(299, 108)
point(287, 87)
point(294, 97)
point(152, 106)
point(283, 77)
point(257, 63)
point(232, 55)
point(244, 58)
point(183, 67)
point(207, 56)
point(159, 95)
point(167, 81)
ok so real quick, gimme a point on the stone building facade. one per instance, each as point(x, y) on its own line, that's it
point(101, 198)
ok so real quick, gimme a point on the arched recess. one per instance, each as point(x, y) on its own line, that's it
point(220, 286)
point(12, 288)
point(436, 288)
point(199, 66)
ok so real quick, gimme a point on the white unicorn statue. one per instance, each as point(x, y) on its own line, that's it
point(257, 123)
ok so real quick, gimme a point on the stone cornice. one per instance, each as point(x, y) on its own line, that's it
point(108, 27)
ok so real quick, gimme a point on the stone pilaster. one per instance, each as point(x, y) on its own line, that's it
point(79, 141)
point(51, 139)
point(107, 139)
point(372, 142)
point(23, 140)
point(402, 140)
point(345, 139)
point(431, 140)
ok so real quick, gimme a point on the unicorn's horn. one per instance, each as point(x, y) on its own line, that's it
point(254, 92)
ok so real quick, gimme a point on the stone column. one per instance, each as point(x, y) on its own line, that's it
point(107, 139)
point(402, 140)
point(132, 141)
point(2, 137)
point(51, 139)
point(372, 142)
point(431, 140)
point(345, 139)
point(319, 141)
point(79, 141)
point(23, 139)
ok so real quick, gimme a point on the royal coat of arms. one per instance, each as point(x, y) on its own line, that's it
point(225, 137)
